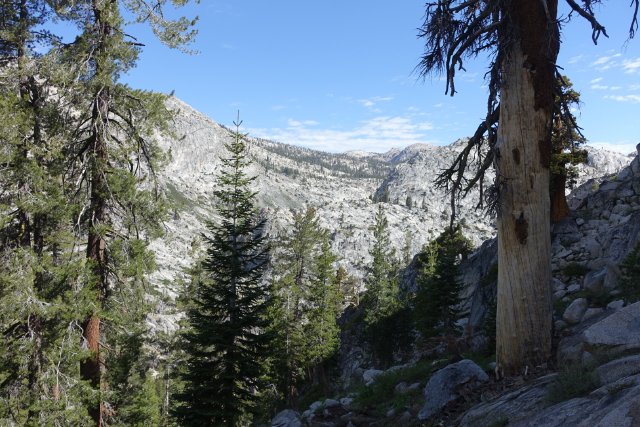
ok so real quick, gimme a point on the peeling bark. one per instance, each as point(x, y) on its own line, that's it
point(524, 317)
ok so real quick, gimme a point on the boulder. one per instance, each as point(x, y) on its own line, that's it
point(574, 313)
point(594, 280)
point(620, 368)
point(573, 288)
point(346, 402)
point(559, 294)
point(286, 418)
point(400, 388)
point(616, 333)
point(557, 285)
point(615, 305)
point(444, 386)
point(331, 403)
point(369, 376)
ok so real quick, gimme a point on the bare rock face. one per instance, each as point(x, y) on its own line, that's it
point(617, 332)
point(518, 404)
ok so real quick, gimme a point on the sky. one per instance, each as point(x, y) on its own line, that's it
point(339, 75)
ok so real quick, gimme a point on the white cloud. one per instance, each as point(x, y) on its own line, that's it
point(594, 81)
point(297, 123)
point(371, 103)
point(631, 66)
point(625, 98)
point(599, 87)
point(575, 59)
point(378, 134)
point(606, 62)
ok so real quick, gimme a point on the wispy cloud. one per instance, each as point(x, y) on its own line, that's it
point(378, 134)
point(597, 80)
point(575, 59)
point(631, 66)
point(371, 103)
point(606, 62)
point(625, 98)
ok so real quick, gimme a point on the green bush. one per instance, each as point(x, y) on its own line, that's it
point(575, 270)
point(630, 275)
point(380, 395)
point(573, 381)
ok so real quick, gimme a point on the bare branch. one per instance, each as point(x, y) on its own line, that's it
point(587, 13)
point(634, 21)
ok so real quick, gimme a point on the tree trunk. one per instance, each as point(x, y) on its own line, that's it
point(524, 315)
point(90, 368)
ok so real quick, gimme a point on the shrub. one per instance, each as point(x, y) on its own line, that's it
point(630, 275)
point(380, 394)
point(575, 270)
point(573, 381)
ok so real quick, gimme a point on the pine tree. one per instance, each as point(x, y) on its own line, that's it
point(306, 305)
point(381, 297)
point(225, 340)
point(112, 156)
point(386, 316)
point(41, 340)
point(436, 303)
point(566, 153)
point(324, 299)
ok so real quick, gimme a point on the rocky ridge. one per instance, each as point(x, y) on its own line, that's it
point(340, 186)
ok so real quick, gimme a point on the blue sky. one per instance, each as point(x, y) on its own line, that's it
point(340, 75)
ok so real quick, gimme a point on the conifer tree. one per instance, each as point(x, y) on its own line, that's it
point(381, 297)
point(324, 300)
point(306, 307)
point(113, 152)
point(225, 339)
point(39, 304)
point(386, 316)
point(566, 151)
point(436, 304)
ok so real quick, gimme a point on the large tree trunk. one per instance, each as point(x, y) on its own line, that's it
point(524, 315)
point(91, 368)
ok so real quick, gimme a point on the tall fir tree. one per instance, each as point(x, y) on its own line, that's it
point(381, 297)
point(438, 295)
point(325, 299)
point(386, 315)
point(225, 339)
point(307, 304)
